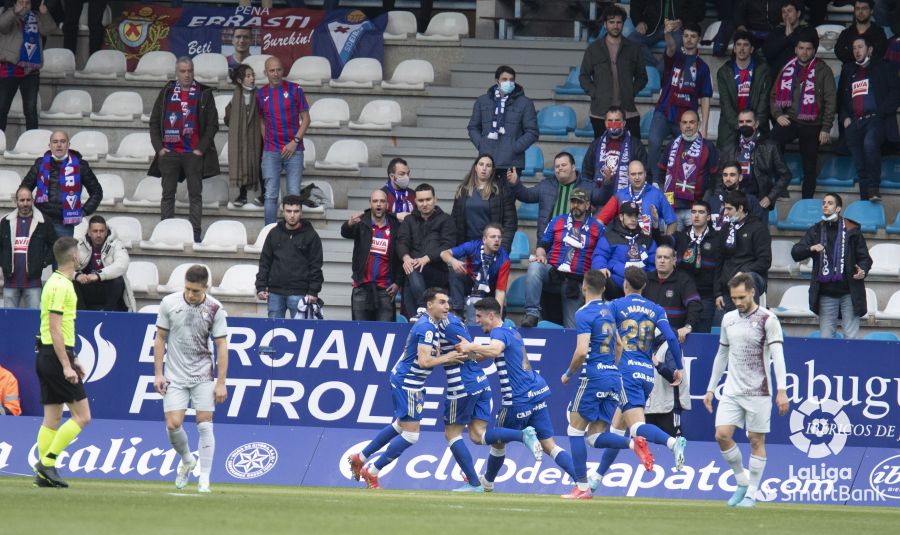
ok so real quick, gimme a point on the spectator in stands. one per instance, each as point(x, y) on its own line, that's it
point(689, 169)
point(686, 87)
point(744, 84)
point(763, 171)
point(623, 245)
point(779, 46)
point(59, 178)
point(400, 197)
point(612, 74)
point(757, 17)
point(21, 57)
point(72, 23)
point(285, 117)
point(241, 38)
point(869, 94)
point(562, 257)
point(840, 262)
point(607, 159)
point(183, 125)
point(552, 193)
point(10, 404)
point(746, 248)
point(803, 106)
point(655, 208)
point(503, 122)
point(651, 19)
point(26, 248)
point(290, 265)
point(377, 269)
point(863, 25)
point(731, 181)
point(478, 268)
point(100, 280)
point(244, 134)
point(675, 291)
point(424, 234)
point(482, 198)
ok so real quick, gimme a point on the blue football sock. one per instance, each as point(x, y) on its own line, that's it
point(610, 440)
point(579, 457)
point(606, 460)
point(653, 434)
point(464, 460)
point(564, 460)
point(502, 434)
point(395, 448)
point(494, 464)
point(383, 437)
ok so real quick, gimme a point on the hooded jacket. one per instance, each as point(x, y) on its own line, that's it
point(115, 262)
point(752, 251)
point(52, 209)
point(612, 251)
point(291, 261)
point(520, 123)
point(40, 245)
point(596, 78)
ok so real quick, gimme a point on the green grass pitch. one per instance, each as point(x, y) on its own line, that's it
point(104, 506)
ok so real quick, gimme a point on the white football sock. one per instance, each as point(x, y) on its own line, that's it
point(756, 466)
point(179, 439)
point(734, 459)
point(207, 447)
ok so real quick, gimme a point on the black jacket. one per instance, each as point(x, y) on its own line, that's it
point(40, 246)
point(769, 171)
point(596, 78)
point(419, 237)
point(650, 12)
point(52, 209)
point(716, 199)
point(710, 255)
point(503, 211)
point(857, 255)
point(207, 124)
point(752, 251)
point(291, 261)
point(875, 36)
point(361, 234)
point(778, 48)
point(885, 86)
point(589, 165)
point(758, 15)
point(677, 295)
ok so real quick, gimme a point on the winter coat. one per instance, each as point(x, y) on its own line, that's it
point(40, 246)
point(596, 75)
point(207, 124)
point(825, 97)
point(115, 263)
point(291, 261)
point(885, 85)
point(503, 211)
point(612, 251)
point(52, 209)
point(244, 141)
point(767, 167)
point(419, 237)
point(752, 251)
point(11, 36)
point(520, 123)
point(728, 100)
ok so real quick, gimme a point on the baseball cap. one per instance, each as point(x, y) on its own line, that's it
point(579, 194)
point(630, 208)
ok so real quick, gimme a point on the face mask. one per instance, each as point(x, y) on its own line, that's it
point(401, 181)
point(615, 130)
point(864, 62)
point(746, 131)
point(247, 88)
point(690, 138)
point(507, 86)
point(60, 158)
point(832, 217)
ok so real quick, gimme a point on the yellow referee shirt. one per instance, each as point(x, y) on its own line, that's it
point(58, 297)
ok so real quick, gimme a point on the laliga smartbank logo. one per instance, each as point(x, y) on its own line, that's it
point(251, 460)
point(97, 363)
point(819, 428)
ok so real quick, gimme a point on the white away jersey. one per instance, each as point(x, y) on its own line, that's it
point(747, 340)
point(188, 357)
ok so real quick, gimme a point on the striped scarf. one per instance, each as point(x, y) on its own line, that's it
point(499, 116)
point(683, 175)
point(831, 269)
point(398, 201)
point(69, 186)
point(30, 54)
point(809, 106)
point(620, 164)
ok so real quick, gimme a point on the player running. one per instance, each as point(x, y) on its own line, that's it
point(596, 399)
point(638, 318)
point(526, 395)
point(750, 341)
point(185, 323)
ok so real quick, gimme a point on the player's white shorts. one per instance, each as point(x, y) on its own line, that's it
point(200, 396)
point(753, 413)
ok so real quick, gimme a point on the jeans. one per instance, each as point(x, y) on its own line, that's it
point(660, 130)
point(280, 303)
point(102, 295)
point(64, 230)
point(95, 24)
point(27, 297)
point(828, 315)
point(646, 42)
point(864, 138)
point(416, 284)
point(173, 165)
point(538, 278)
point(707, 313)
point(272, 165)
point(28, 86)
point(370, 303)
point(808, 139)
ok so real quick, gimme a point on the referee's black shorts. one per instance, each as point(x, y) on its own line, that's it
point(55, 389)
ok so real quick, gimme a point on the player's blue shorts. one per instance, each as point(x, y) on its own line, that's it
point(462, 410)
point(407, 404)
point(521, 416)
point(598, 398)
point(637, 383)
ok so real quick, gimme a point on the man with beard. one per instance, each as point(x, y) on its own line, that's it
point(863, 25)
point(763, 171)
point(744, 84)
point(731, 181)
point(746, 248)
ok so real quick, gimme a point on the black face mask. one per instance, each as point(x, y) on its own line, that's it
point(745, 131)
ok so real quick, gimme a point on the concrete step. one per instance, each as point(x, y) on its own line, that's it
point(529, 75)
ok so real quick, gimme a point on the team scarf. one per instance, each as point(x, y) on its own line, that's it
point(733, 227)
point(809, 106)
point(579, 234)
point(684, 80)
point(692, 255)
point(743, 78)
point(745, 157)
point(483, 276)
point(181, 117)
point(401, 202)
point(682, 173)
point(831, 269)
point(621, 166)
point(69, 185)
point(498, 118)
point(30, 57)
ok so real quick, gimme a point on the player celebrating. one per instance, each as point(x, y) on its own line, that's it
point(750, 340)
point(185, 323)
point(526, 395)
point(407, 389)
point(638, 318)
point(59, 373)
point(591, 410)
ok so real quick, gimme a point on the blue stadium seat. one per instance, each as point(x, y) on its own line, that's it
point(890, 170)
point(882, 335)
point(773, 217)
point(869, 215)
point(577, 152)
point(509, 323)
point(556, 120)
point(895, 227)
point(715, 330)
point(521, 248)
point(838, 172)
point(544, 324)
point(515, 295)
point(534, 161)
point(571, 86)
point(400, 318)
point(804, 214)
point(654, 83)
point(528, 211)
point(585, 131)
point(794, 163)
point(645, 124)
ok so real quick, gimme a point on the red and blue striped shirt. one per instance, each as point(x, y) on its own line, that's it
point(280, 108)
point(553, 241)
point(378, 265)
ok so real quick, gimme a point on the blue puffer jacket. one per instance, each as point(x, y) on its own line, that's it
point(612, 251)
point(544, 193)
point(520, 124)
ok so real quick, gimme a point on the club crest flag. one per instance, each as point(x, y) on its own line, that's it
point(347, 34)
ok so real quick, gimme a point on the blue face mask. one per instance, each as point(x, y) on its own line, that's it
point(507, 86)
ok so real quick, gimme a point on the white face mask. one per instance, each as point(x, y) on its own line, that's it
point(60, 158)
point(247, 88)
point(401, 181)
point(864, 62)
point(690, 138)
point(507, 86)
point(832, 217)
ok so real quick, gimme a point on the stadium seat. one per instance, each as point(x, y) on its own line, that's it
point(214, 195)
point(869, 215)
point(894, 228)
point(818, 334)
point(176, 279)
point(309, 152)
point(2, 141)
point(884, 336)
point(794, 303)
point(445, 27)
point(556, 120)
point(871, 303)
point(69, 104)
point(345, 155)
point(400, 318)
point(544, 324)
point(147, 193)
point(773, 217)
point(828, 35)
point(329, 113)
point(327, 191)
point(892, 310)
point(794, 163)
point(587, 130)
point(113, 188)
point(120, 106)
point(257, 62)
point(169, 235)
point(149, 309)
point(654, 83)
point(238, 280)
point(804, 213)
point(211, 67)
point(521, 248)
point(58, 63)
point(782, 262)
point(9, 183)
point(134, 148)
point(80, 229)
point(15, 109)
point(378, 115)
point(128, 229)
point(359, 73)
point(222, 102)
point(838, 172)
point(223, 154)
point(890, 170)
point(577, 152)
point(515, 295)
point(646, 120)
point(712, 131)
point(142, 276)
point(92, 144)
point(309, 71)
point(571, 86)
point(411, 74)
point(223, 236)
point(31, 144)
point(885, 259)
point(528, 211)
point(534, 161)
point(710, 34)
point(256, 248)
point(158, 65)
point(400, 25)
point(103, 65)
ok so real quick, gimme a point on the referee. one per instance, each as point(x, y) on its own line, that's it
point(58, 370)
